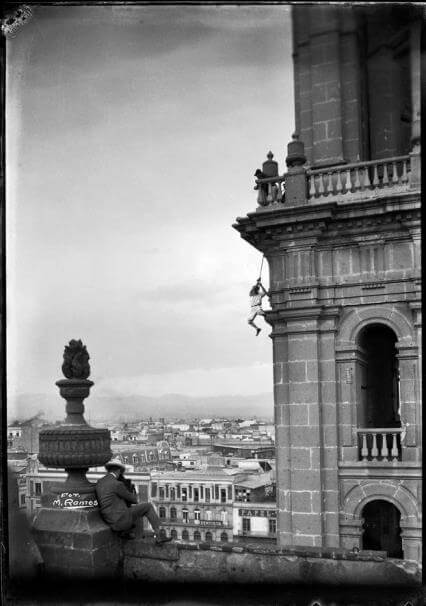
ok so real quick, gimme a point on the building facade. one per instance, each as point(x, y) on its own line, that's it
point(341, 233)
point(245, 450)
point(255, 521)
point(195, 505)
point(143, 457)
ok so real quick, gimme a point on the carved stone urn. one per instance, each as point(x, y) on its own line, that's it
point(75, 445)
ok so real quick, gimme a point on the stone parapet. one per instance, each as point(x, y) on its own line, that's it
point(230, 563)
point(76, 543)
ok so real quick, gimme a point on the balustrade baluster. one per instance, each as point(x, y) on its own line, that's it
point(357, 183)
point(364, 449)
point(339, 185)
point(261, 196)
point(394, 451)
point(279, 190)
point(404, 177)
point(376, 181)
point(367, 182)
point(385, 449)
point(330, 184)
point(321, 184)
point(270, 197)
point(348, 183)
point(395, 178)
point(374, 449)
point(312, 189)
point(385, 179)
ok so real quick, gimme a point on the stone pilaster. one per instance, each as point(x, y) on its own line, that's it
point(307, 483)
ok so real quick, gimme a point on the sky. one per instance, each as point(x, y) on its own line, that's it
point(133, 134)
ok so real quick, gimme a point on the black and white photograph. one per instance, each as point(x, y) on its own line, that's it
point(212, 306)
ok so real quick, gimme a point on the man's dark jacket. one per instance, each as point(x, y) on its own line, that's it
point(113, 497)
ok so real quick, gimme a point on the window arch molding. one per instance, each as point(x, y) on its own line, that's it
point(357, 320)
point(349, 358)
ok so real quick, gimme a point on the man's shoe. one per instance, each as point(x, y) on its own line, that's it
point(163, 539)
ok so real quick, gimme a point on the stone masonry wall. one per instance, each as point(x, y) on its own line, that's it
point(228, 563)
point(327, 76)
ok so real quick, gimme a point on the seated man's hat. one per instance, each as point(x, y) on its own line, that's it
point(115, 463)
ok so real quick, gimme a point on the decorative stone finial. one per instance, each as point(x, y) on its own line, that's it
point(270, 167)
point(74, 445)
point(295, 152)
point(76, 361)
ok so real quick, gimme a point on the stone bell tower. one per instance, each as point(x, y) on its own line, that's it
point(340, 230)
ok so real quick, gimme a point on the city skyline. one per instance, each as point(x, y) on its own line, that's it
point(135, 133)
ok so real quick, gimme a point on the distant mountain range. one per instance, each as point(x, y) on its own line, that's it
point(128, 408)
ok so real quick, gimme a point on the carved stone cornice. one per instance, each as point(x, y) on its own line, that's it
point(273, 230)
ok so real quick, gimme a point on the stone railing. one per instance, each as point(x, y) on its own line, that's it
point(270, 190)
point(360, 179)
point(379, 444)
point(344, 182)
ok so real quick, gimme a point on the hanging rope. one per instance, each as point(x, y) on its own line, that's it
point(261, 267)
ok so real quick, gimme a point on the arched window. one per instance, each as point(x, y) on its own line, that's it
point(173, 533)
point(377, 391)
point(185, 535)
point(209, 536)
point(135, 460)
point(382, 530)
point(185, 515)
point(197, 535)
point(197, 514)
point(162, 512)
point(173, 513)
point(379, 380)
point(224, 537)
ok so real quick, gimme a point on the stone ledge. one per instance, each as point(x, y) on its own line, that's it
point(332, 553)
point(147, 548)
point(231, 564)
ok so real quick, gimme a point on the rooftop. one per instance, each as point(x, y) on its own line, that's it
point(255, 481)
point(195, 475)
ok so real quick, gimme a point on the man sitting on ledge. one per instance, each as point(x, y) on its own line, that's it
point(119, 508)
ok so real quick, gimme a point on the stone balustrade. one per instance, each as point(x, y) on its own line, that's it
point(360, 179)
point(344, 182)
point(271, 191)
point(382, 444)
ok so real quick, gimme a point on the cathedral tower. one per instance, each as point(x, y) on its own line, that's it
point(341, 233)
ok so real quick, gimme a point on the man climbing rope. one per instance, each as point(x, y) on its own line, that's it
point(256, 304)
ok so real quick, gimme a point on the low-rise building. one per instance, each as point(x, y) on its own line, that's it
point(245, 450)
point(195, 505)
point(255, 521)
point(141, 456)
point(256, 488)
